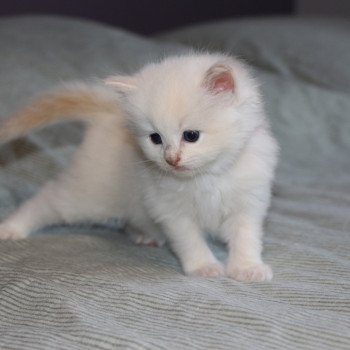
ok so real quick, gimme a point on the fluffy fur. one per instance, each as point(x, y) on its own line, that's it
point(174, 190)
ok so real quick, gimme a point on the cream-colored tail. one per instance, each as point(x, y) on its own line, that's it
point(74, 101)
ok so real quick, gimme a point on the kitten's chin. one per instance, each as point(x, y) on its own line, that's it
point(190, 173)
point(181, 171)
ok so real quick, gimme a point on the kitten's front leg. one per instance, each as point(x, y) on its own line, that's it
point(244, 242)
point(190, 246)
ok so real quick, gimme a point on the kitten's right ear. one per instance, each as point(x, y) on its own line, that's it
point(122, 83)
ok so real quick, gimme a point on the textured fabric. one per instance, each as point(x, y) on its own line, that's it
point(90, 288)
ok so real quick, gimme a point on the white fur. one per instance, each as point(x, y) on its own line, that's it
point(119, 172)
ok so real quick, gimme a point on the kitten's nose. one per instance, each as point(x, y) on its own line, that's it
point(173, 161)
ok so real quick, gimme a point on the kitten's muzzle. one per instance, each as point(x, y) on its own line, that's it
point(173, 161)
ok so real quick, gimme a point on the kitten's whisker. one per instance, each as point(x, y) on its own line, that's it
point(146, 161)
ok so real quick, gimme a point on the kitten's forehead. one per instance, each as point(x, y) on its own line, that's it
point(171, 91)
point(186, 72)
point(181, 93)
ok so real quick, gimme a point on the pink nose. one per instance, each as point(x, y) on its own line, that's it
point(173, 161)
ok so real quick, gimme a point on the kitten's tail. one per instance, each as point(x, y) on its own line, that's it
point(74, 101)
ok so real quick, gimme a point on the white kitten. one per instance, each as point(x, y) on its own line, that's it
point(179, 149)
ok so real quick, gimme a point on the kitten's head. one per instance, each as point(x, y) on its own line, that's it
point(191, 114)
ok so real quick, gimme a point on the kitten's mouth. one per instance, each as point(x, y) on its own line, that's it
point(180, 168)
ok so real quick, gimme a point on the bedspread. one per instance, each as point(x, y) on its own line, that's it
point(89, 287)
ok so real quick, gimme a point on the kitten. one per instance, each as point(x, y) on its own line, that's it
point(179, 149)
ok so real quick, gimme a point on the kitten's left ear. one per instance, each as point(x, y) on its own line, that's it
point(122, 82)
point(218, 78)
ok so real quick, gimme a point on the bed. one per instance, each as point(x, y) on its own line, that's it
point(89, 287)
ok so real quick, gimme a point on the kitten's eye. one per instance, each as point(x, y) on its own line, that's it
point(156, 138)
point(191, 135)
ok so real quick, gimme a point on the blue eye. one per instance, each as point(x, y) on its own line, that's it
point(191, 135)
point(156, 138)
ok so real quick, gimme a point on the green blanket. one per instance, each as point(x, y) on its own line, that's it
point(89, 287)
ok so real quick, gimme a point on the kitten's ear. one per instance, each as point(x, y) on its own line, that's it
point(218, 78)
point(122, 82)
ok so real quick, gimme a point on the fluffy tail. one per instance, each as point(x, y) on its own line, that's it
point(74, 101)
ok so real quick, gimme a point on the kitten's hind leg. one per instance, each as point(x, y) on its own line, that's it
point(35, 213)
point(91, 189)
point(59, 201)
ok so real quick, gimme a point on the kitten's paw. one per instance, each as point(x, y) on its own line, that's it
point(209, 270)
point(9, 233)
point(255, 273)
point(141, 238)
